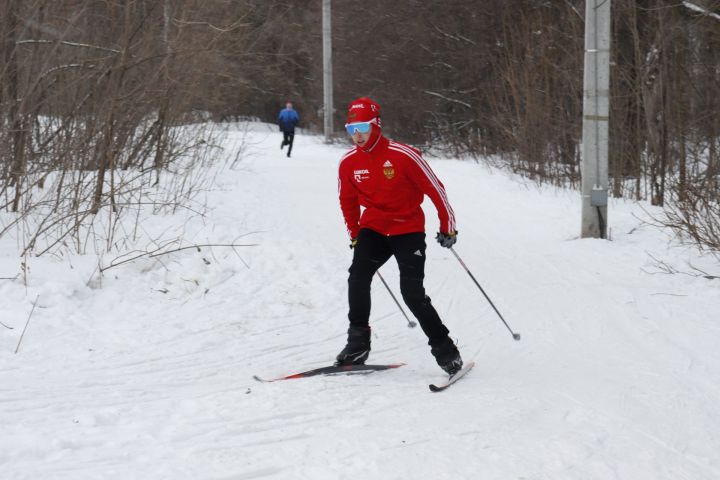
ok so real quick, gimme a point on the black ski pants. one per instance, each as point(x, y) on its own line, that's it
point(371, 252)
point(288, 138)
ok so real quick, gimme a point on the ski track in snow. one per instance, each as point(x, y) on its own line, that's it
point(149, 375)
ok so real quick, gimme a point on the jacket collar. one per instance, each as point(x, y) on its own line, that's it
point(376, 146)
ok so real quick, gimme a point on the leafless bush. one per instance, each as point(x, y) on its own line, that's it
point(95, 95)
point(694, 211)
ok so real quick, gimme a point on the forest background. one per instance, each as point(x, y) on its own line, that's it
point(93, 93)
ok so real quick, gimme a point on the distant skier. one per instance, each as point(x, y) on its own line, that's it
point(389, 180)
point(287, 120)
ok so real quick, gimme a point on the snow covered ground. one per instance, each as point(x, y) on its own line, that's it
point(148, 373)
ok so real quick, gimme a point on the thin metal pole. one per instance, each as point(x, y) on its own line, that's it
point(515, 336)
point(327, 71)
point(27, 323)
point(411, 324)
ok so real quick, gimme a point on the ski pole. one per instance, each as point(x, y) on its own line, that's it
point(411, 324)
point(515, 336)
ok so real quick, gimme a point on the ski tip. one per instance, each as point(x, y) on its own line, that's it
point(466, 368)
point(262, 380)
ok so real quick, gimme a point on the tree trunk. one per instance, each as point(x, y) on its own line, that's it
point(17, 122)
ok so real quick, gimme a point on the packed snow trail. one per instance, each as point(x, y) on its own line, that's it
point(148, 374)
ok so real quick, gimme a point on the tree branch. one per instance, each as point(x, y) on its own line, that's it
point(157, 252)
point(701, 10)
point(465, 104)
point(69, 44)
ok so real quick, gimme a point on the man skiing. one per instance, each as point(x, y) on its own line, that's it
point(287, 120)
point(389, 180)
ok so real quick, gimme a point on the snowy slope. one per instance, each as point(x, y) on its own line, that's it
point(148, 374)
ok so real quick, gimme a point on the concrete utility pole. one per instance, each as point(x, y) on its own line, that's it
point(596, 100)
point(327, 71)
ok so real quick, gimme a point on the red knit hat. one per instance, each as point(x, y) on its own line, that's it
point(363, 109)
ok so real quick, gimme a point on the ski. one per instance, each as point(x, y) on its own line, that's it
point(461, 373)
point(332, 370)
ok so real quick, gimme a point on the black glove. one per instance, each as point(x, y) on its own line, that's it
point(447, 240)
point(353, 243)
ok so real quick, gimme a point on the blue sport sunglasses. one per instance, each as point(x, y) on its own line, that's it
point(362, 127)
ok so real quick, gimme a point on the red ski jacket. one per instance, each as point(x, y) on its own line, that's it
point(389, 180)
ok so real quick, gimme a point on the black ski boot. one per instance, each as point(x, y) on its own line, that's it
point(357, 349)
point(447, 356)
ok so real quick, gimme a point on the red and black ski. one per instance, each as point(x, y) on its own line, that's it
point(333, 370)
point(461, 373)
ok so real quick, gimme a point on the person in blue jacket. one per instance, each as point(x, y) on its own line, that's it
point(287, 120)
